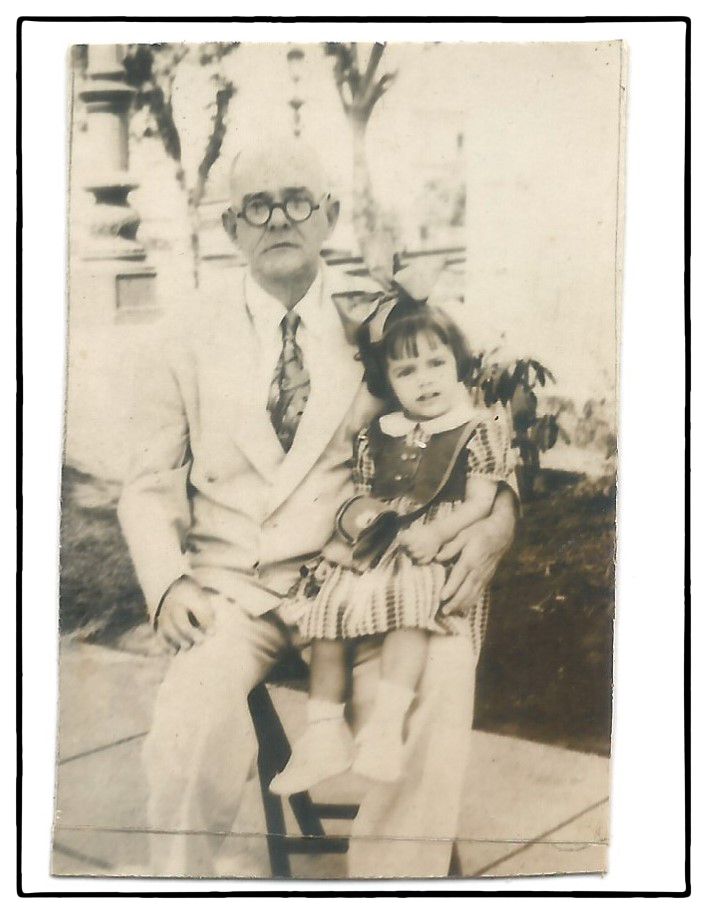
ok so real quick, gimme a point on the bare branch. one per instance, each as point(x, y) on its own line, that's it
point(215, 140)
point(373, 61)
point(382, 87)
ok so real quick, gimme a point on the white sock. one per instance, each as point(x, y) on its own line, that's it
point(319, 709)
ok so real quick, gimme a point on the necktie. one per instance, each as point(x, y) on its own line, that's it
point(290, 385)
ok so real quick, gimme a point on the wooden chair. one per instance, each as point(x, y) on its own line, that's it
point(273, 753)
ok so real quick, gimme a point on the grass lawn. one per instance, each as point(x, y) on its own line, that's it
point(545, 670)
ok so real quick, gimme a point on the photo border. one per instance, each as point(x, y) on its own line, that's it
point(334, 893)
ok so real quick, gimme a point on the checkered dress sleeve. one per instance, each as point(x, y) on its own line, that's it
point(489, 451)
point(363, 466)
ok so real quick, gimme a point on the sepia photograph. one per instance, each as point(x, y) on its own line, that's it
point(338, 528)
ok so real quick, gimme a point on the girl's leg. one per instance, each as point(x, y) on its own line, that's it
point(404, 656)
point(327, 671)
point(380, 743)
point(326, 746)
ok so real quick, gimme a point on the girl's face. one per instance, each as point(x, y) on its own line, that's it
point(426, 385)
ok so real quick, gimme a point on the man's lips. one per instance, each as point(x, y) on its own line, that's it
point(281, 244)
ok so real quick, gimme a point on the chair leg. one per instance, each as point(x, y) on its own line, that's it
point(306, 815)
point(272, 739)
point(275, 824)
point(273, 753)
point(275, 747)
point(455, 864)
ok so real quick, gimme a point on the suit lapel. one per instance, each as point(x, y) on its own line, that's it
point(318, 425)
point(339, 377)
point(232, 371)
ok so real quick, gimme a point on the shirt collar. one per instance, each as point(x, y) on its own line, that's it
point(397, 424)
point(267, 312)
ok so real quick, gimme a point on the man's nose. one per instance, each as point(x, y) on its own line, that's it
point(278, 219)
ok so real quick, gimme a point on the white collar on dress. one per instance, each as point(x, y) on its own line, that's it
point(397, 425)
point(267, 312)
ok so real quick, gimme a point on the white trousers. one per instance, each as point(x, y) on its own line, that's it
point(200, 750)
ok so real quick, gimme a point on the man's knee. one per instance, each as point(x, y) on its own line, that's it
point(197, 702)
point(210, 737)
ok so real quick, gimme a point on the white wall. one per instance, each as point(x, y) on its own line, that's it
point(542, 143)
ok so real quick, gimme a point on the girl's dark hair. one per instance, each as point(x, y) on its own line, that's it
point(407, 322)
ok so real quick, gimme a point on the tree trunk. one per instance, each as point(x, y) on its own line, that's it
point(377, 247)
point(211, 154)
point(194, 240)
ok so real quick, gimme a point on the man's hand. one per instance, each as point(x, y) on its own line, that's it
point(478, 549)
point(422, 543)
point(185, 615)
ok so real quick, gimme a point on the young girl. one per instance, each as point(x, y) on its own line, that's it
point(432, 463)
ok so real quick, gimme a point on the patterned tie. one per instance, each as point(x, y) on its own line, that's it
point(290, 385)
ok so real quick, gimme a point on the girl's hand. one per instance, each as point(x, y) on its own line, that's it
point(338, 552)
point(421, 543)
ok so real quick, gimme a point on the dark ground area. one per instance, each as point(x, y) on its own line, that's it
point(546, 667)
point(545, 671)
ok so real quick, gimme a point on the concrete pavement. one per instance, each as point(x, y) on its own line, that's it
point(529, 808)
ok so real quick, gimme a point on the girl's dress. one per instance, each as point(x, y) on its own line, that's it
point(402, 462)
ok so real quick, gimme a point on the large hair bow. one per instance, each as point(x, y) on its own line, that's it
point(410, 286)
point(405, 287)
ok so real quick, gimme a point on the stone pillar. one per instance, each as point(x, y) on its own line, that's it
point(120, 284)
point(112, 288)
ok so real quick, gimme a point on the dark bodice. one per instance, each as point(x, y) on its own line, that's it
point(415, 470)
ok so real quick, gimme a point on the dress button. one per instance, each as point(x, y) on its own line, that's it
point(398, 477)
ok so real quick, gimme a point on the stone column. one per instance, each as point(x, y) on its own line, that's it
point(121, 284)
point(112, 295)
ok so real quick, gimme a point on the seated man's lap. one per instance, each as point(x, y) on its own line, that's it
point(236, 654)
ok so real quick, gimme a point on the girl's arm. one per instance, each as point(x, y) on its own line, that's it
point(480, 496)
point(424, 542)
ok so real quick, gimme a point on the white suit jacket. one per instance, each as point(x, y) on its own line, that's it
point(208, 493)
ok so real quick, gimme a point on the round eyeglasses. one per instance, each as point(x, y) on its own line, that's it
point(258, 211)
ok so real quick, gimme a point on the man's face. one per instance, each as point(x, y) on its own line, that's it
point(283, 247)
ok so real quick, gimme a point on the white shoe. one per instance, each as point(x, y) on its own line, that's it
point(324, 750)
point(379, 758)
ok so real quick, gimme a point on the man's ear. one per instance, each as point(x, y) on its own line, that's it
point(333, 207)
point(230, 223)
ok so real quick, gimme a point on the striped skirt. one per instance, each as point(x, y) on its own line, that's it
point(397, 593)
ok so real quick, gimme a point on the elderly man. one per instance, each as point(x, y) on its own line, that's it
point(229, 494)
